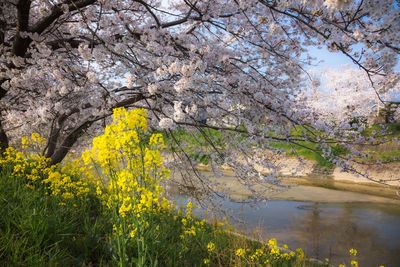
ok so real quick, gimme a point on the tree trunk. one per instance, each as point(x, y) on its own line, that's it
point(3, 135)
point(3, 139)
point(68, 142)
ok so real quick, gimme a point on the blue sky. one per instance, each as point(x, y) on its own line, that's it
point(329, 59)
point(333, 59)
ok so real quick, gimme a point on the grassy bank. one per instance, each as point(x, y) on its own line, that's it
point(108, 208)
point(40, 229)
point(385, 149)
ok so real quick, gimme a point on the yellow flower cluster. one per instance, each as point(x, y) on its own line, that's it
point(240, 252)
point(258, 253)
point(30, 166)
point(190, 226)
point(353, 252)
point(210, 247)
point(300, 254)
point(34, 140)
point(269, 253)
point(63, 185)
point(122, 138)
point(35, 168)
point(130, 159)
point(31, 169)
point(273, 246)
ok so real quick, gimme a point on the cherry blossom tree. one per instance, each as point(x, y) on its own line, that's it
point(237, 66)
point(346, 94)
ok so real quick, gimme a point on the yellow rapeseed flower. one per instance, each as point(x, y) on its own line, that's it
point(240, 252)
point(191, 231)
point(353, 252)
point(25, 142)
point(37, 139)
point(300, 253)
point(210, 247)
point(133, 233)
point(354, 263)
point(272, 243)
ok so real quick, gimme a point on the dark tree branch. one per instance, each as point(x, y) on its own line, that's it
point(61, 43)
point(138, 97)
point(2, 30)
point(2, 90)
point(59, 154)
point(69, 141)
point(150, 11)
point(21, 44)
point(3, 139)
point(3, 136)
point(57, 11)
point(55, 132)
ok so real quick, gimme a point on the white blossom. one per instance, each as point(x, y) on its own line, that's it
point(336, 4)
point(130, 81)
point(179, 115)
point(91, 76)
point(152, 88)
point(85, 52)
point(166, 123)
point(182, 85)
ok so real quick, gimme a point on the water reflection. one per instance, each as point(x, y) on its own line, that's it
point(328, 230)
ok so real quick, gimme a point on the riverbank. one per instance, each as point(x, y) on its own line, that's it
point(373, 190)
point(303, 188)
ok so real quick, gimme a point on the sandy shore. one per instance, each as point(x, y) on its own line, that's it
point(319, 194)
point(305, 189)
point(387, 173)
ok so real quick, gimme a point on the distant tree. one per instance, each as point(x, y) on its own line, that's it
point(346, 95)
point(388, 112)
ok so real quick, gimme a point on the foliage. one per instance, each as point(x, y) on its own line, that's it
point(386, 147)
point(199, 145)
point(310, 150)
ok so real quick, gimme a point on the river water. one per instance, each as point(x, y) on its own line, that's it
point(325, 230)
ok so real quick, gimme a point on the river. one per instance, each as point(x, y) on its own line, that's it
point(326, 230)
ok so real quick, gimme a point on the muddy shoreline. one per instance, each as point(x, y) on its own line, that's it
point(304, 188)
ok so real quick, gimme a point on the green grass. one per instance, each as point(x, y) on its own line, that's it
point(387, 152)
point(295, 150)
point(380, 130)
point(39, 229)
point(307, 149)
point(36, 230)
point(198, 144)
